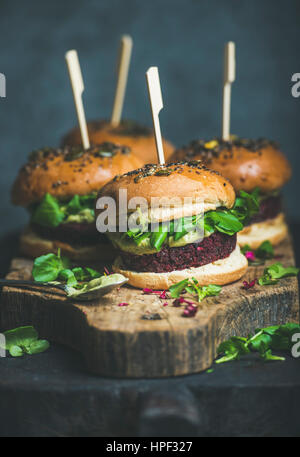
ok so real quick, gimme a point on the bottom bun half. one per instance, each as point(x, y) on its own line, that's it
point(275, 230)
point(32, 245)
point(220, 272)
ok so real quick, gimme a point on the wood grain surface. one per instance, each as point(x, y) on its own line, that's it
point(119, 342)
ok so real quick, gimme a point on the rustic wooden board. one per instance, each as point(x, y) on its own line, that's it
point(116, 341)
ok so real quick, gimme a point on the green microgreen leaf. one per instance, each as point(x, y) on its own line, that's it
point(268, 356)
point(47, 267)
point(192, 287)
point(178, 288)
point(15, 351)
point(275, 272)
point(246, 205)
point(37, 346)
point(20, 336)
point(22, 340)
point(92, 273)
point(265, 250)
point(263, 342)
point(48, 213)
point(51, 212)
point(67, 276)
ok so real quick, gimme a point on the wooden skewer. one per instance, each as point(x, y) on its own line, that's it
point(156, 103)
point(123, 68)
point(229, 78)
point(78, 88)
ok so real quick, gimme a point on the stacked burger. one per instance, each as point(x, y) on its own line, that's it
point(257, 169)
point(194, 237)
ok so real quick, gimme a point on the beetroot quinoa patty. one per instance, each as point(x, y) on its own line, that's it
point(73, 232)
point(216, 246)
point(269, 208)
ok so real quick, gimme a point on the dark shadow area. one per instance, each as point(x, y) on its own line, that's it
point(9, 247)
point(295, 232)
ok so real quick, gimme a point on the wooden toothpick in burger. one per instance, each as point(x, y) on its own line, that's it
point(78, 88)
point(118, 130)
point(156, 103)
point(229, 78)
point(123, 69)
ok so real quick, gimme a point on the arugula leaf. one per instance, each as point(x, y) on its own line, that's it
point(246, 205)
point(203, 291)
point(88, 200)
point(245, 249)
point(232, 349)
point(82, 274)
point(37, 346)
point(228, 357)
point(79, 203)
point(281, 335)
point(15, 351)
point(51, 267)
point(277, 337)
point(275, 272)
point(211, 290)
point(265, 250)
point(24, 339)
point(68, 276)
point(192, 287)
point(47, 267)
point(178, 288)
point(74, 205)
point(223, 221)
point(79, 273)
point(260, 342)
point(266, 280)
point(51, 212)
point(92, 273)
point(20, 336)
point(268, 356)
point(48, 213)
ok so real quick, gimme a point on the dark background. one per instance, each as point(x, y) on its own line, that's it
point(184, 38)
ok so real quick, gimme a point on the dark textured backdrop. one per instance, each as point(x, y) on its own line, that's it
point(184, 39)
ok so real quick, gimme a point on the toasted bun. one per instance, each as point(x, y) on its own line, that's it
point(275, 230)
point(221, 272)
point(246, 163)
point(140, 139)
point(69, 171)
point(32, 245)
point(174, 181)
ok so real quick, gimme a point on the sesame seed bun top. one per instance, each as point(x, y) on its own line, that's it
point(69, 171)
point(139, 138)
point(246, 163)
point(183, 179)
